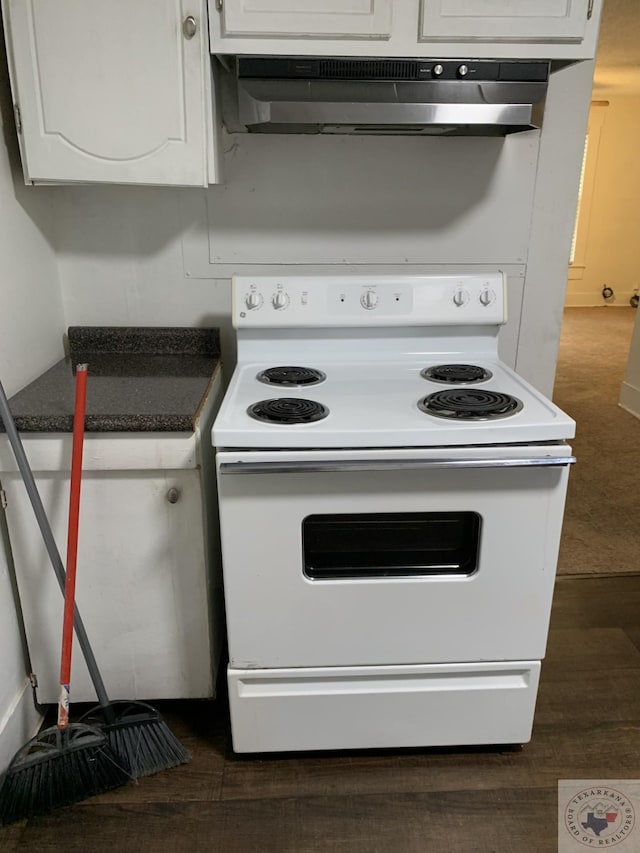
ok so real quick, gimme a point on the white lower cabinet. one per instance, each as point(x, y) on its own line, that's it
point(503, 20)
point(116, 92)
point(149, 588)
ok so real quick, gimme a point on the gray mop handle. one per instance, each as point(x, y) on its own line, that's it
point(50, 543)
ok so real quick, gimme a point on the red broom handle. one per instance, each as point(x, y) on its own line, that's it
point(72, 544)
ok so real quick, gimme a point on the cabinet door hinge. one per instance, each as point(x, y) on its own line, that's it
point(16, 110)
point(219, 5)
point(590, 10)
point(3, 499)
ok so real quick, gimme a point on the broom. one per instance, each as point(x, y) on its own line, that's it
point(136, 732)
point(66, 763)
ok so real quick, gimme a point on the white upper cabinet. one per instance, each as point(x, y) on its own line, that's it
point(514, 29)
point(115, 92)
point(503, 20)
point(307, 19)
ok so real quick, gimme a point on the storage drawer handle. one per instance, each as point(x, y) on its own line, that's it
point(318, 467)
point(275, 687)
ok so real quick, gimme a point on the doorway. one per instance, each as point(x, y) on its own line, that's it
point(603, 502)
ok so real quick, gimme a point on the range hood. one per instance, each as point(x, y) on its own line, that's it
point(385, 96)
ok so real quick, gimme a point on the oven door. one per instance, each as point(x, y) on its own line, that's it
point(347, 558)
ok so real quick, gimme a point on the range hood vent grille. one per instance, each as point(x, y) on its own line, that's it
point(368, 69)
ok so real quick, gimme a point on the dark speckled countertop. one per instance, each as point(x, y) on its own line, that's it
point(140, 379)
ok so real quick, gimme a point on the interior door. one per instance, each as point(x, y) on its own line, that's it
point(111, 91)
point(307, 18)
point(503, 20)
point(403, 565)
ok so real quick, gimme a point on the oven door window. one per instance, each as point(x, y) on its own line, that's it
point(390, 545)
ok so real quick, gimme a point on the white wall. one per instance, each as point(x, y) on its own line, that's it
point(31, 327)
point(120, 261)
point(162, 256)
point(553, 215)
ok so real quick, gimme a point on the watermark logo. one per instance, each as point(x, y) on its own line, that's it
point(598, 814)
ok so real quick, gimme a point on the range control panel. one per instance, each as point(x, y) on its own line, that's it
point(395, 70)
point(305, 301)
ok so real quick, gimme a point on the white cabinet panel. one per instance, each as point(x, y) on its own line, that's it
point(142, 582)
point(533, 29)
point(503, 20)
point(307, 18)
point(111, 92)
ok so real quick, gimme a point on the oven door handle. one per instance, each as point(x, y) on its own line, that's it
point(328, 466)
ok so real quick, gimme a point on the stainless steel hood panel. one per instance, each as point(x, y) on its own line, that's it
point(443, 106)
point(376, 105)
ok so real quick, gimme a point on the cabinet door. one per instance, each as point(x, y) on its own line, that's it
point(503, 20)
point(110, 91)
point(307, 18)
point(143, 589)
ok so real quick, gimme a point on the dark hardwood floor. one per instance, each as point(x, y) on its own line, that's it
point(502, 800)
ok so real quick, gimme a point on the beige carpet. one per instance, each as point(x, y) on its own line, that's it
point(602, 520)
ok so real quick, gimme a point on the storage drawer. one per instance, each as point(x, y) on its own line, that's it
point(363, 707)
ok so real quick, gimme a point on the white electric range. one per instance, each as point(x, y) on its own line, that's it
point(391, 502)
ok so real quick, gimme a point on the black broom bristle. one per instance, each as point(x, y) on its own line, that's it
point(140, 738)
point(147, 747)
point(58, 768)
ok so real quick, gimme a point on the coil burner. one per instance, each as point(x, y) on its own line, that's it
point(291, 376)
point(470, 404)
point(288, 410)
point(456, 374)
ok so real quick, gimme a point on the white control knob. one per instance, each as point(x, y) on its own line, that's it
point(463, 70)
point(369, 299)
point(280, 300)
point(253, 300)
point(460, 297)
point(438, 70)
point(487, 297)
